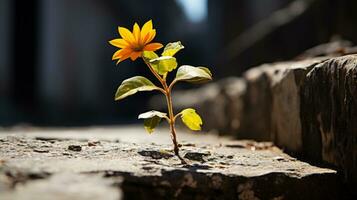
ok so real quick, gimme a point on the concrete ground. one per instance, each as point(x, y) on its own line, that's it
point(127, 163)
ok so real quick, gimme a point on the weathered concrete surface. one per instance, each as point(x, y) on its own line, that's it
point(307, 107)
point(41, 162)
point(60, 186)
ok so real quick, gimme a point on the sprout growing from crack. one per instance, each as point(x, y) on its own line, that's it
point(138, 43)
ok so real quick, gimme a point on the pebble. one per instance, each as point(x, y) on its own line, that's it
point(74, 148)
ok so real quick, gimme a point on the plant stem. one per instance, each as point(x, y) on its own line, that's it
point(172, 123)
point(171, 120)
point(155, 74)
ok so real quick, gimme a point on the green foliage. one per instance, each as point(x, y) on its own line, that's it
point(133, 85)
point(149, 55)
point(164, 64)
point(133, 45)
point(172, 48)
point(191, 119)
point(151, 123)
point(206, 70)
point(193, 74)
point(152, 119)
point(151, 114)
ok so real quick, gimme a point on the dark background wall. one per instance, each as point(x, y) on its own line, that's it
point(55, 60)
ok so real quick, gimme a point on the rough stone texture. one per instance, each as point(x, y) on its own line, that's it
point(39, 162)
point(329, 113)
point(307, 107)
point(62, 186)
point(313, 109)
point(274, 90)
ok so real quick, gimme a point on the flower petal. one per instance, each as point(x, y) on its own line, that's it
point(135, 55)
point(126, 35)
point(146, 29)
point(120, 43)
point(153, 47)
point(145, 38)
point(116, 54)
point(124, 56)
point(136, 33)
point(152, 35)
point(149, 37)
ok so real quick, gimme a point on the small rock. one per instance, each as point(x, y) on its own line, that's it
point(235, 145)
point(93, 143)
point(41, 150)
point(279, 158)
point(196, 166)
point(75, 148)
point(189, 145)
point(147, 168)
point(155, 154)
point(230, 157)
point(150, 169)
point(196, 156)
point(50, 140)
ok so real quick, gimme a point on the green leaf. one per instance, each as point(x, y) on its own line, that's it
point(206, 70)
point(152, 119)
point(133, 85)
point(149, 55)
point(151, 114)
point(172, 48)
point(191, 119)
point(164, 64)
point(193, 74)
point(151, 123)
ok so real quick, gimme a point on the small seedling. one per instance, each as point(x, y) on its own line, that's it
point(138, 43)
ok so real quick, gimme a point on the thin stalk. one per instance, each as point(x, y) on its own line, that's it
point(172, 125)
point(171, 119)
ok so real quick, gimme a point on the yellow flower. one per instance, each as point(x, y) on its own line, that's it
point(132, 44)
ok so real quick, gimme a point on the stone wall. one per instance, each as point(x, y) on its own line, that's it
point(307, 107)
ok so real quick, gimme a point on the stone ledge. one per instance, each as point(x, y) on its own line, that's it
point(218, 168)
point(306, 107)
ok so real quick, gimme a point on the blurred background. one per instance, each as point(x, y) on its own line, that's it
point(55, 60)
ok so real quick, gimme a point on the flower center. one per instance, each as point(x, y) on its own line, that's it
point(138, 48)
